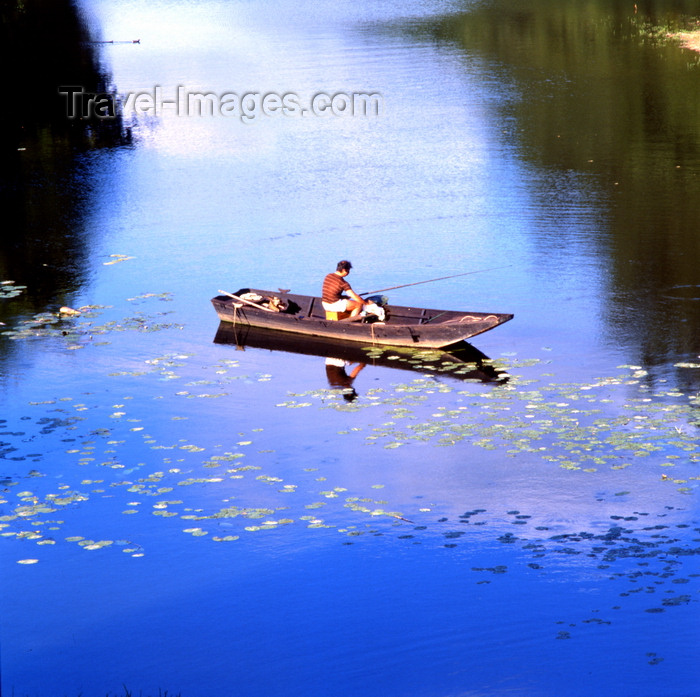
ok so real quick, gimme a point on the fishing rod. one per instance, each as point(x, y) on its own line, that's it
point(432, 280)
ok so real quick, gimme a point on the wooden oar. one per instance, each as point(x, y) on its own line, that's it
point(247, 302)
point(432, 280)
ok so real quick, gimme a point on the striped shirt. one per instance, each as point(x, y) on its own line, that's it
point(333, 287)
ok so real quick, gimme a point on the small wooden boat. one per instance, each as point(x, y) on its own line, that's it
point(304, 314)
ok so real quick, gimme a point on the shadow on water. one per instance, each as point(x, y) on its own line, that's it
point(601, 103)
point(46, 179)
point(344, 361)
point(49, 45)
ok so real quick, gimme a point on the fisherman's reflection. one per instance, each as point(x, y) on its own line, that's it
point(338, 377)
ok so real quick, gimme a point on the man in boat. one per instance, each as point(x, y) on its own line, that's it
point(334, 287)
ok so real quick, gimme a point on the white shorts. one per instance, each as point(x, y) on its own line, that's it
point(338, 306)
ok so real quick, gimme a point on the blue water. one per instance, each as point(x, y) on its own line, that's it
point(195, 518)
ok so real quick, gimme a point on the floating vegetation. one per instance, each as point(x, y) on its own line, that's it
point(9, 289)
point(166, 297)
point(76, 329)
point(238, 484)
point(117, 259)
point(560, 423)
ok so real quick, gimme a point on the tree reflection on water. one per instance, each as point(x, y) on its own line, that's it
point(45, 185)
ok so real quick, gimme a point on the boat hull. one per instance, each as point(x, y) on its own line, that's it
point(405, 326)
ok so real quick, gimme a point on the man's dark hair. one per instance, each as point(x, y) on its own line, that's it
point(343, 266)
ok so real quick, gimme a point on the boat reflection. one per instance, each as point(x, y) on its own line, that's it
point(345, 360)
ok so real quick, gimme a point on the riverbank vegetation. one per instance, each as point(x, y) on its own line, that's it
point(688, 39)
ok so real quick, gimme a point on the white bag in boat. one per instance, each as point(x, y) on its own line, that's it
point(374, 309)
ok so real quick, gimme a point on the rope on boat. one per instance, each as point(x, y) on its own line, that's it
point(471, 318)
point(467, 318)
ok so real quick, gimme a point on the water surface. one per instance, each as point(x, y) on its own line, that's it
point(184, 514)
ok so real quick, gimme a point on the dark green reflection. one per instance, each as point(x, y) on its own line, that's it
point(606, 107)
point(45, 44)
